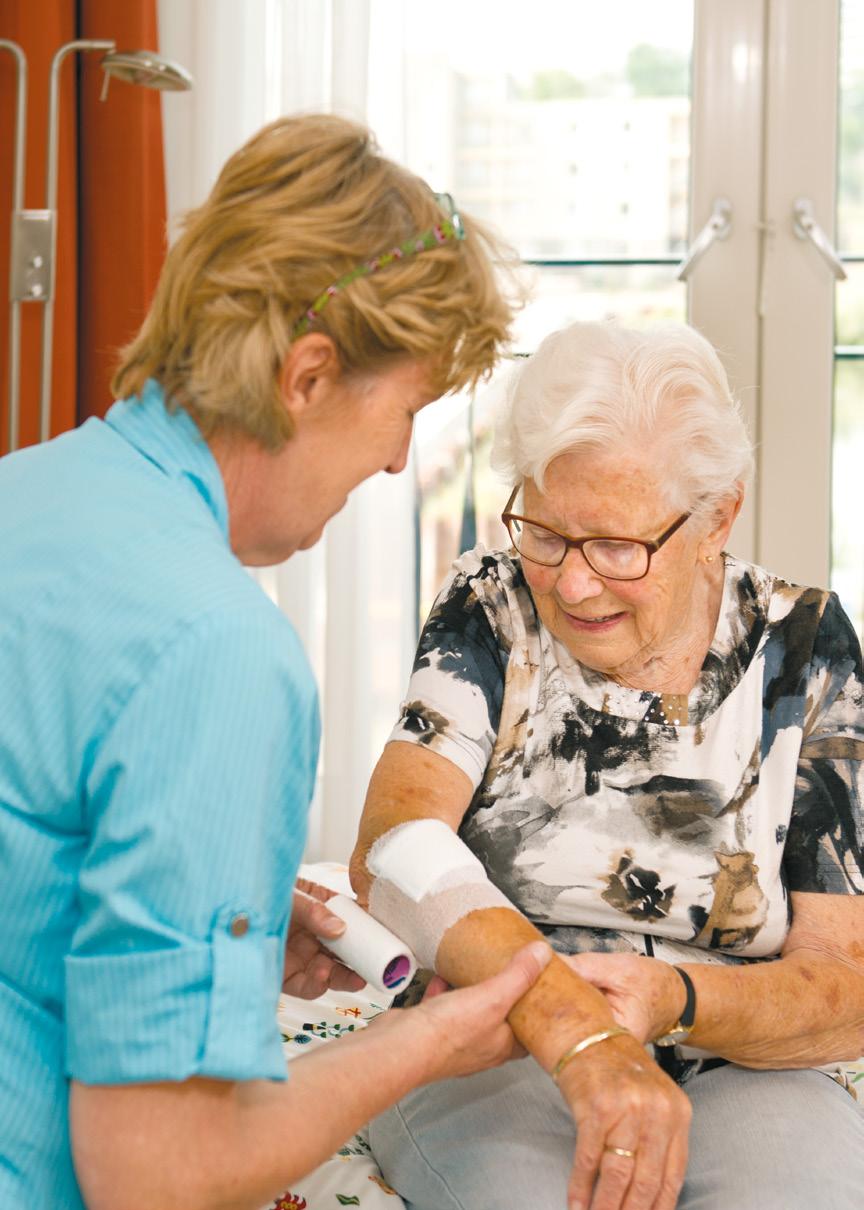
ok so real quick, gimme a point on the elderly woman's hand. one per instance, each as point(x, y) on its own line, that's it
point(645, 995)
point(632, 1123)
point(309, 970)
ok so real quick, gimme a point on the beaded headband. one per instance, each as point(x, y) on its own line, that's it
point(448, 229)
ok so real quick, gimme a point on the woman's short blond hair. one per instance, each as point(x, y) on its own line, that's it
point(301, 203)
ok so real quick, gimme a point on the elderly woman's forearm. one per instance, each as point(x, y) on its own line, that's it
point(407, 783)
point(411, 783)
point(803, 1010)
point(559, 1010)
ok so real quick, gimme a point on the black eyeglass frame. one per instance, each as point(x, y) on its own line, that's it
point(651, 548)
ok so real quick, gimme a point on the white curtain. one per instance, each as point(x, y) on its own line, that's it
point(351, 598)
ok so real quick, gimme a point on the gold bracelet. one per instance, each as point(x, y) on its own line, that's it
point(617, 1031)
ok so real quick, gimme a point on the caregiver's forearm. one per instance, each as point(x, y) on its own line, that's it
point(230, 1146)
point(205, 1144)
point(803, 1010)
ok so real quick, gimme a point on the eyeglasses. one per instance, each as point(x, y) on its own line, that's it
point(449, 228)
point(612, 558)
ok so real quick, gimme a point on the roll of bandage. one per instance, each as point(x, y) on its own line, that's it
point(370, 949)
point(426, 878)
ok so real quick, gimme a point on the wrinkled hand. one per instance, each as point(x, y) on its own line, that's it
point(309, 970)
point(645, 995)
point(466, 1030)
point(619, 1097)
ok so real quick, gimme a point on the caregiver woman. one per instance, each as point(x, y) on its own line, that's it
point(158, 724)
point(657, 753)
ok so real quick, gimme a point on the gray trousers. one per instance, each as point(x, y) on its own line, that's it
point(504, 1139)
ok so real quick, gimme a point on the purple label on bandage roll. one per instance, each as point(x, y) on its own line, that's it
point(396, 971)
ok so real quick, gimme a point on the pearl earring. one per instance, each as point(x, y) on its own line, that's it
point(709, 558)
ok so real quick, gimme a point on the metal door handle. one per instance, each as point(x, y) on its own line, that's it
point(806, 227)
point(718, 227)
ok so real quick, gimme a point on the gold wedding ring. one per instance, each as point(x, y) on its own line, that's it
point(621, 1151)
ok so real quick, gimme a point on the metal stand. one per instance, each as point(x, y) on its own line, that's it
point(33, 245)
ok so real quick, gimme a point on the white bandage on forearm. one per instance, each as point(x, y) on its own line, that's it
point(426, 879)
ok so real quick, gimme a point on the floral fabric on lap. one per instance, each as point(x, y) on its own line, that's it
point(350, 1177)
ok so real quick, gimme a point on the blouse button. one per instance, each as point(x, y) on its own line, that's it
point(239, 925)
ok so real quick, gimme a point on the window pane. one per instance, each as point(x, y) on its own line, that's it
point(847, 494)
point(441, 450)
point(850, 177)
point(566, 126)
point(849, 308)
point(636, 295)
point(564, 123)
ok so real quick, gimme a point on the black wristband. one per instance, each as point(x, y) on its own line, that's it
point(688, 1015)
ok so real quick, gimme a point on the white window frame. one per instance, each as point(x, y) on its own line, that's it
point(764, 135)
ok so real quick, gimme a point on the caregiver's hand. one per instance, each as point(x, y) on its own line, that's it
point(645, 995)
point(466, 1029)
point(309, 970)
point(620, 1098)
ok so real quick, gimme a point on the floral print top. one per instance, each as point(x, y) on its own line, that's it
point(611, 831)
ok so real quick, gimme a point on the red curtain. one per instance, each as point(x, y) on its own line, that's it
point(111, 207)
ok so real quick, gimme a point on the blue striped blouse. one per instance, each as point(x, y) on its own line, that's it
point(158, 739)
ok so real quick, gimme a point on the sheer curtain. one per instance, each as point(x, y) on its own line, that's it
point(351, 598)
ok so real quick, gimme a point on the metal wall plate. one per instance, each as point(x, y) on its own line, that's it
point(32, 276)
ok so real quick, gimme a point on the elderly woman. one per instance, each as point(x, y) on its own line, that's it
point(158, 722)
point(655, 750)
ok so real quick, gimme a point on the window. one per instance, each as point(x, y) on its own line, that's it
point(598, 227)
point(734, 99)
point(664, 107)
point(847, 497)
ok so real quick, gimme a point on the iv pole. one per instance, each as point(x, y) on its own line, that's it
point(34, 232)
point(50, 214)
point(17, 205)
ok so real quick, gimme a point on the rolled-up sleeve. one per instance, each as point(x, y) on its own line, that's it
point(196, 800)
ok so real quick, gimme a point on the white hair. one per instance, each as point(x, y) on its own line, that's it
point(599, 386)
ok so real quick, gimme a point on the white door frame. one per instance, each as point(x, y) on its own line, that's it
point(765, 134)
